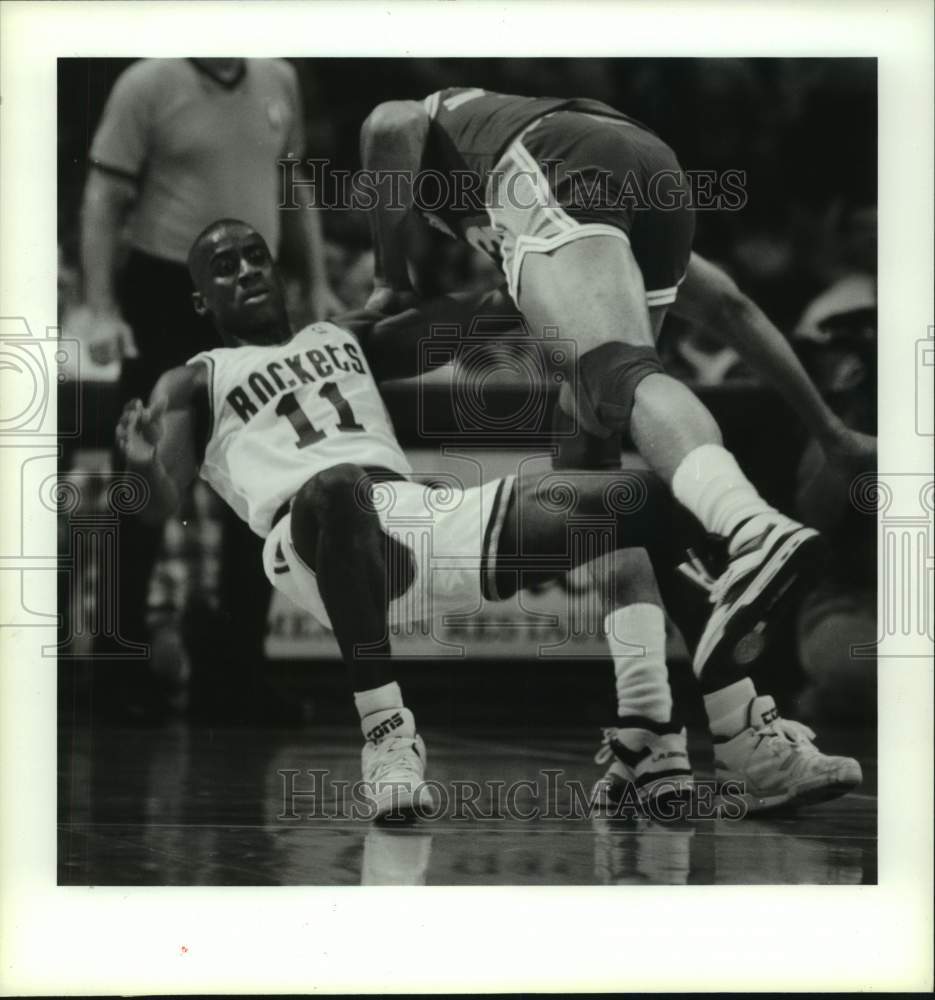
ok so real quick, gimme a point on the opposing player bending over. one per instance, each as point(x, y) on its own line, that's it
point(774, 759)
point(291, 431)
point(588, 213)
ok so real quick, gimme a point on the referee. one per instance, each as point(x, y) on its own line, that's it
point(181, 143)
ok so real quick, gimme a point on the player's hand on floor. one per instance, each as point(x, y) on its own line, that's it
point(139, 430)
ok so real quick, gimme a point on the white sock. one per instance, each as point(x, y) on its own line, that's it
point(727, 708)
point(710, 483)
point(636, 635)
point(378, 699)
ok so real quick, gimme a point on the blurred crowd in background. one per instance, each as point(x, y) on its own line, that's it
point(803, 132)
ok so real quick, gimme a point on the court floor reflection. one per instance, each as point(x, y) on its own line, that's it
point(184, 806)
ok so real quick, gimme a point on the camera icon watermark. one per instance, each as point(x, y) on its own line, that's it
point(32, 368)
point(32, 371)
point(503, 382)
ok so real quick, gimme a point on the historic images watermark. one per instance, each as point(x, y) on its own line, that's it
point(317, 183)
point(315, 794)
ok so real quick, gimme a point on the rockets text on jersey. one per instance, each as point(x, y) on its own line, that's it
point(281, 413)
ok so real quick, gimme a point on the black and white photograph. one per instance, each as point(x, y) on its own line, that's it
point(472, 469)
point(381, 375)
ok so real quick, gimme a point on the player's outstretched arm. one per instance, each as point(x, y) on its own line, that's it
point(392, 139)
point(158, 440)
point(711, 300)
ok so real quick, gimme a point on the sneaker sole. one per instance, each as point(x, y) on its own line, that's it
point(742, 637)
point(792, 799)
point(826, 791)
point(755, 804)
point(396, 806)
point(673, 788)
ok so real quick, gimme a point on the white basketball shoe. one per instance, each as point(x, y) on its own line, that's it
point(393, 765)
point(773, 762)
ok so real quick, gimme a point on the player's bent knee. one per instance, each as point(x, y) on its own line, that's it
point(329, 501)
point(608, 377)
point(331, 494)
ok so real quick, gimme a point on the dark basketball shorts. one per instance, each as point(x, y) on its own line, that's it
point(570, 175)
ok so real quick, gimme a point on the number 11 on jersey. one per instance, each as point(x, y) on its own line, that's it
point(307, 433)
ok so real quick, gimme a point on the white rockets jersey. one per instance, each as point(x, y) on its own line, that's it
point(281, 413)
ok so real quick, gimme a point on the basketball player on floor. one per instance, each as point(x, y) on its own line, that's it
point(291, 431)
point(587, 211)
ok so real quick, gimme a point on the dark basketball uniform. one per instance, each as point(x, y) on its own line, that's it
point(528, 175)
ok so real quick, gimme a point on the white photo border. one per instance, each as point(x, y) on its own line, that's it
point(69, 940)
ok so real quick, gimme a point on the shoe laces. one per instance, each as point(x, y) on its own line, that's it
point(740, 566)
point(605, 752)
point(697, 572)
point(787, 736)
point(397, 755)
point(742, 562)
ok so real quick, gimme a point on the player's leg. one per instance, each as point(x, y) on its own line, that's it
point(635, 624)
point(592, 290)
point(774, 760)
point(787, 767)
point(646, 747)
point(581, 268)
point(561, 521)
point(337, 535)
point(555, 519)
point(558, 520)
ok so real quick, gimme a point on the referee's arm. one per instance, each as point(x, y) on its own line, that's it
point(118, 157)
point(108, 201)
